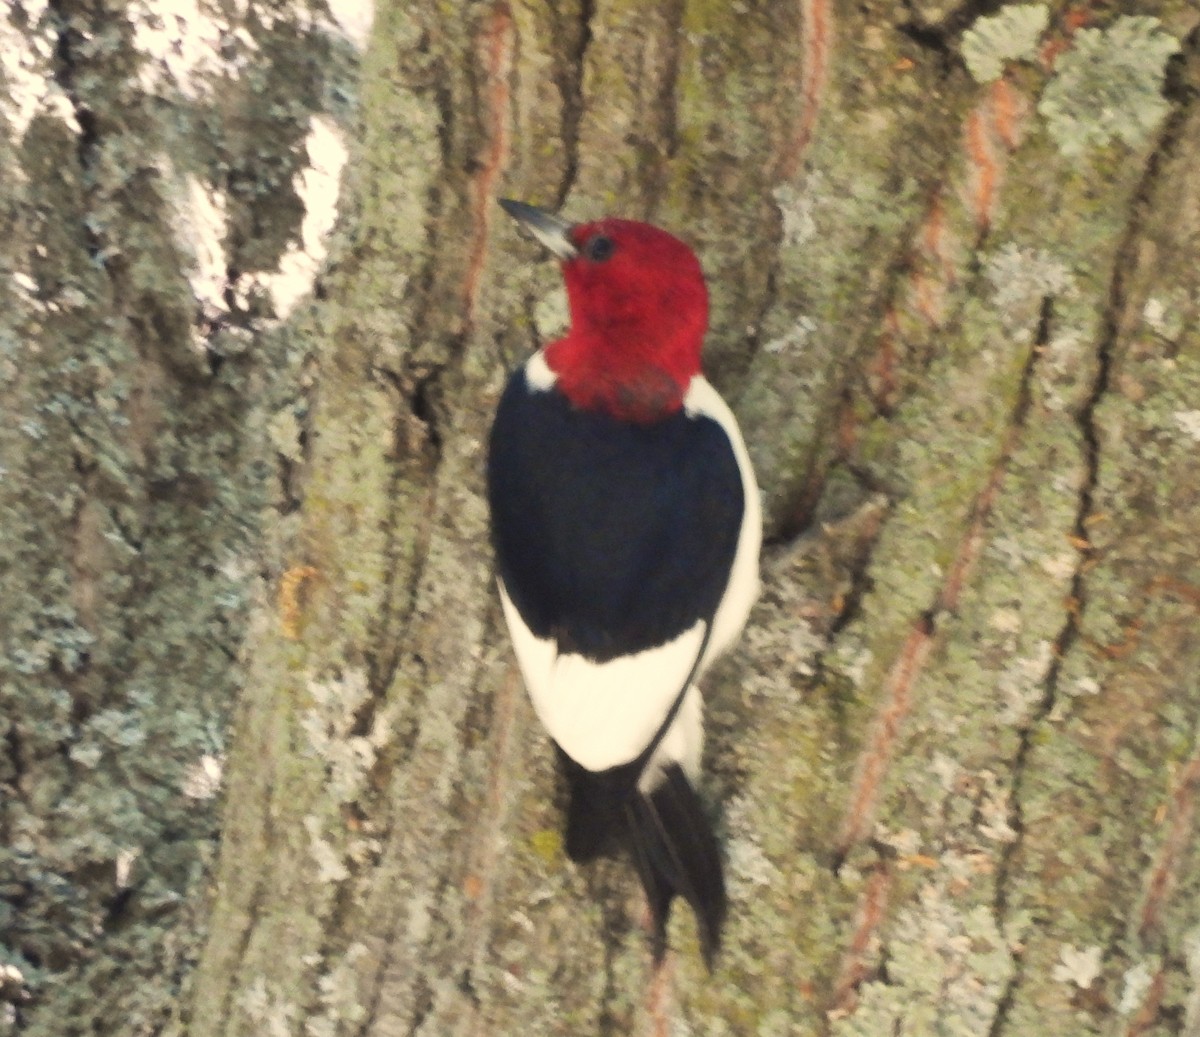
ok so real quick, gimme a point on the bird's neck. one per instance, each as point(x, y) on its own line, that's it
point(627, 379)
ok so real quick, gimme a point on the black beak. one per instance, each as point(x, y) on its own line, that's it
point(547, 228)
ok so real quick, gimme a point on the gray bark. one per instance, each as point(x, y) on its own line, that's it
point(955, 286)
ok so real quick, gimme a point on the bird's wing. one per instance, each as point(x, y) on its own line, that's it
point(602, 713)
point(615, 545)
point(611, 538)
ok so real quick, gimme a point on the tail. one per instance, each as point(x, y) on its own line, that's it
point(676, 854)
point(595, 812)
point(667, 834)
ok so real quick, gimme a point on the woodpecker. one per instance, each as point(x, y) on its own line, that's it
point(626, 524)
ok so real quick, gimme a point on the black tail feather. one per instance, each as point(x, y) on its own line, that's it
point(666, 833)
point(595, 809)
point(676, 854)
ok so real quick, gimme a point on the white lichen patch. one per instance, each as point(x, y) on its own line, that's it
point(24, 284)
point(353, 19)
point(285, 431)
point(1191, 956)
point(1021, 684)
point(1168, 317)
point(1063, 357)
point(791, 647)
point(1021, 278)
point(341, 998)
point(185, 44)
point(1008, 549)
point(995, 810)
point(27, 84)
point(318, 187)
point(853, 660)
point(203, 221)
point(1080, 967)
point(905, 841)
point(749, 867)
point(948, 965)
point(1012, 34)
point(328, 723)
point(268, 1012)
point(350, 19)
point(796, 213)
point(1061, 566)
point(1188, 422)
point(1064, 351)
point(1154, 313)
point(199, 221)
point(1137, 980)
point(1005, 621)
point(126, 857)
point(551, 315)
point(946, 769)
point(202, 780)
point(1108, 86)
point(795, 338)
point(1191, 953)
point(330, 867)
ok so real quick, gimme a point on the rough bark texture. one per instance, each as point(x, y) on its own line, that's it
point(954, 254)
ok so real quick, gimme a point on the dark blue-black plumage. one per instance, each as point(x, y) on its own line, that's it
point(611, 537)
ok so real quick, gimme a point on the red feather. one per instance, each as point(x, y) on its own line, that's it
point(638, 320)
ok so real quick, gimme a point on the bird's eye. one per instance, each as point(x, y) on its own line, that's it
point(599, 248)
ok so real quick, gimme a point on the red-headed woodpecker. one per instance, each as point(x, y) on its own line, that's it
point(627, 525)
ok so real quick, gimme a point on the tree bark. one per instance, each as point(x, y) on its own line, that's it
point(955, 277)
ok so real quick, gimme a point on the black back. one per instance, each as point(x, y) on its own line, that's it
point(611, 537)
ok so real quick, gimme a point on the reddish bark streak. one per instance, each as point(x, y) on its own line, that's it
point(994, 122)
point(984, 169)
point(928, 297)
point(933, 234)
point(897, 702)
point(972, 542)
point(1181, 814)
point(882, 370)
point(897, 697)
point(658, 998)
point(1179, 588)
point(816, 42)
point(1076, 18)
point(933, 271)
point(872, 907)
point(496, 54)
point(873, 763)
point(1006, 112)
point(992, 131)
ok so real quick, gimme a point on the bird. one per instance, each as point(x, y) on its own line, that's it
point(626, 526)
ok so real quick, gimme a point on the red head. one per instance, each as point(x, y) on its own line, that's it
point(639, 310)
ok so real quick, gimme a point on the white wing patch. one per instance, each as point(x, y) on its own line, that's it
point(742, 590)
point(603, 714)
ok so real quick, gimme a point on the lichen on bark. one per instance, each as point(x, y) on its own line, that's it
point(954, 761)
point(137, 474)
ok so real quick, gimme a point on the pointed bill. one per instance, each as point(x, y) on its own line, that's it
point(549, 229)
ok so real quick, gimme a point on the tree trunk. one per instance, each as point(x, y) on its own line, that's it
point(955, 276)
